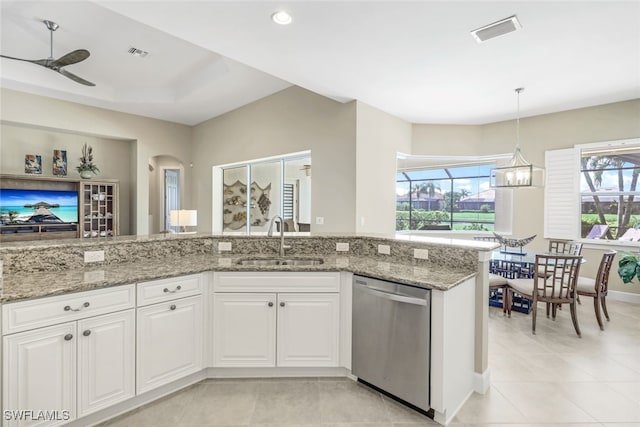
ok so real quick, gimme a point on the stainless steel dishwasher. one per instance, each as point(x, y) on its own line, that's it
point(391, 338)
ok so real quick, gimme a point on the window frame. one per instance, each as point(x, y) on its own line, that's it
point(450, 163)
point(572, 206)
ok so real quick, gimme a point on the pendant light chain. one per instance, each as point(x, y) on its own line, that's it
point(518, 90)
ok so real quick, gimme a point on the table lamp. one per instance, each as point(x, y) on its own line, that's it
point(182, 219)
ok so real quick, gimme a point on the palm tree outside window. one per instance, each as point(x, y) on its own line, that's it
point(455, 198)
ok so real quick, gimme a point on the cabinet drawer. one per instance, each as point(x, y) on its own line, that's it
point(168, 289)
point(276, 282)
point(21, 316)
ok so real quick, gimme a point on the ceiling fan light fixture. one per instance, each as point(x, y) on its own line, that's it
point(282, 17)
point(496, 29)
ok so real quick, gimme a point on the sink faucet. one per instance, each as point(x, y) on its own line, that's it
point(270, 233)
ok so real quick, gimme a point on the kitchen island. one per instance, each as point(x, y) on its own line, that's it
point(455, 271)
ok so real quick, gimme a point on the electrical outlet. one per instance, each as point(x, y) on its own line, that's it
point(421, 253)
point(93, 256)
point(319, 220)
point(342, 247)
point(384, 249)
point(224, 246)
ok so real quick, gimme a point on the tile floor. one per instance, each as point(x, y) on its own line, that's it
point(549, 379)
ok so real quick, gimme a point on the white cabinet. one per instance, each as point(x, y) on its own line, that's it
point(39, 373)
point(169, 341)
point(244, 330)
point(308, 329)
point(106, 362)
point(71, 369)
point(275, 319)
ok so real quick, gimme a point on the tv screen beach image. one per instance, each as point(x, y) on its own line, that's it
point(38, 206)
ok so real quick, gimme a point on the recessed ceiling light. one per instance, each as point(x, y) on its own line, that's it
point(282, 18)
point(496, 29)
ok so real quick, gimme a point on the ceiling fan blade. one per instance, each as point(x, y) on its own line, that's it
point(75, 78)
point(70, 58)
point(43, 62)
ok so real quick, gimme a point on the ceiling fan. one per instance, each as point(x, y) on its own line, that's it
point(57, 64)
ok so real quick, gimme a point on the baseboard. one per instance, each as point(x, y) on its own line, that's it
point(624, 296)
point(275, 372)
point(481, 382)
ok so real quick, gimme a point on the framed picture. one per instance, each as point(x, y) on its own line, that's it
point(32, 164)
point(60, 162)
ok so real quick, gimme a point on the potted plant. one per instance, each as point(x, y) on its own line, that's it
point(86, 166)
point(629, 267)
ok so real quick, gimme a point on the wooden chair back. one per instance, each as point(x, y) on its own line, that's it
point(602, 278)
point(557, 284)
point(565, 247)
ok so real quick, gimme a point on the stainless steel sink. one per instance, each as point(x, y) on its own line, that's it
point(281, 261)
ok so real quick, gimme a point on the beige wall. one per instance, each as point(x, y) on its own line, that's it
point(151, 137)
point(537, 134)
point(289, 121)
point(379, 138)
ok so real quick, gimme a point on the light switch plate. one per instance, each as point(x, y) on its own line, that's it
point(224, 246)
point(384, 249)
point(421, 253)
point(342, 247)
point(319, 220)
point(93, 256)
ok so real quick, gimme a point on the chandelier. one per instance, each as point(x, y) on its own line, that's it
point(518, 172)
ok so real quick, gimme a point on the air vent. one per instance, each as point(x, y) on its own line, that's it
point(137, 52)
point(496, 29)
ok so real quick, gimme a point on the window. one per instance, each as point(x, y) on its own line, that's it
point(610, 194)
point(592, 192)
point(450, 198)
point(279, 186)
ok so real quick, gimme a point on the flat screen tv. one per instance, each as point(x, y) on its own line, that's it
point(18, 207)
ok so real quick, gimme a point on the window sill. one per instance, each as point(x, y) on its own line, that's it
point(610, 244)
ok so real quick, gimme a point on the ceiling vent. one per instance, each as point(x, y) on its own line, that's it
point(137, 52)
point(496, 29)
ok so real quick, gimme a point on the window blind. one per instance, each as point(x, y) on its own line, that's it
point(561, 194)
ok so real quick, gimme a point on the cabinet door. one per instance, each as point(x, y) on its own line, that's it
point(244, 330)
point(169, 342)
point(308, 329)
point(106, 360)
point(39, 374)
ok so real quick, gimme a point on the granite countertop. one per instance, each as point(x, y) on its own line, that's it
point(22, 286)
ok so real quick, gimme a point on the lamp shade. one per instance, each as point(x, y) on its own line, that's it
point(183, 218)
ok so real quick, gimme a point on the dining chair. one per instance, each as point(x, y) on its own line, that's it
point(598, 287)
point(568, 247)
point(555, 287)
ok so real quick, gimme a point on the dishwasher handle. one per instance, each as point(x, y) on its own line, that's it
point(391, 297)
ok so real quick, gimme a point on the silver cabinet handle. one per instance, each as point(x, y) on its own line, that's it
point(282, 304)
point(172, 307)
point(87, 332)
point(270, 304)
point(68, 337)
point(68, 307)
point(167, 291)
